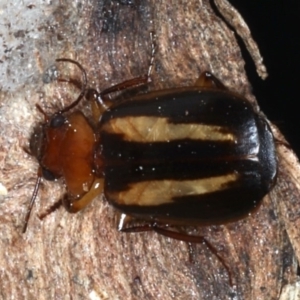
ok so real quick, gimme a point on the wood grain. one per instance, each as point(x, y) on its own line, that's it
point(83, 256)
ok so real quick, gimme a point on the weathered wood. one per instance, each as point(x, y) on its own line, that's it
point(82, 256)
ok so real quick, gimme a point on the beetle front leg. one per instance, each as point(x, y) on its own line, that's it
point(78, 204)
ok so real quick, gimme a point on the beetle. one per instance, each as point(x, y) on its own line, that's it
point(195, 155)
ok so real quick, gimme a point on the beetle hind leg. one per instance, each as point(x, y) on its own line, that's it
point(181, 236)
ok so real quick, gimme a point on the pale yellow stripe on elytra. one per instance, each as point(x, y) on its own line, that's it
point(156, 129)
point(158, 192)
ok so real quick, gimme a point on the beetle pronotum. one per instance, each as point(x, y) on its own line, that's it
point(196, 155)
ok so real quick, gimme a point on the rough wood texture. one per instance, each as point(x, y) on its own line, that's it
point(82, 256)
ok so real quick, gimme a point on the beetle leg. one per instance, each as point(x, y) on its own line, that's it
point(134, 82)
point(153, 51)
point(208, 80)
point(134, 228)
point(123, 221)
point(94, 191)
point(193, 239)
point(75, 206)
point(98, 107)
point(56, 205)
point(100, 102)
point(190, 239)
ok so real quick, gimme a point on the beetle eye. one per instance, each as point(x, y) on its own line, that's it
point(48, 175)
point(57, 121)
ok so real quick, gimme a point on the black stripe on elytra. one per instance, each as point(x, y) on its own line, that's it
point(186, 159)
point(118, 178)
point(115, 150)
point(194, 106)
point(210, 208)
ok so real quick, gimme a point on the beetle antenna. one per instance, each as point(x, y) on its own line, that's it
point(42, 112)
point(33, 197)
point(84, 85)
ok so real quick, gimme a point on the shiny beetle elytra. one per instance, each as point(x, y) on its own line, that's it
point(196, 155)
point(186, 155)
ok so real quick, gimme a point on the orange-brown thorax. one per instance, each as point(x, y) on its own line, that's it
point(68, 153)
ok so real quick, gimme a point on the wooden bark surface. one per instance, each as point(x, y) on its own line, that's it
point(83, 256)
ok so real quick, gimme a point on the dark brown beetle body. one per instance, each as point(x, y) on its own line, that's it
point(186, 155)
point(198, 155)
point(192, 155)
